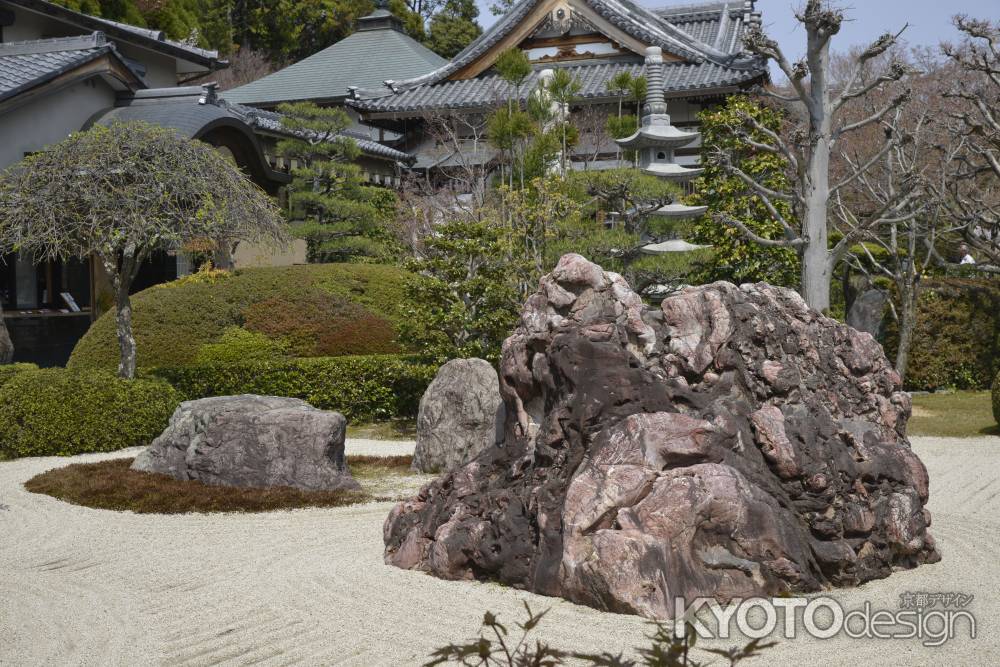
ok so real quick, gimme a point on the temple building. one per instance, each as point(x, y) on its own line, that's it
point(594, 40)
point(62, 71)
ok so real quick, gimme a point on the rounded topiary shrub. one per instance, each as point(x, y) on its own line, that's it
point(315, 309)
point(239, 346)
point(9, 371)
point(54, 411)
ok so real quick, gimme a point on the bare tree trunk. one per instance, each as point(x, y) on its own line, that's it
point(122, 273)
point(123, 322)
point(907, 323)
point(6, 345)
point(222, 256)
point(817, 265)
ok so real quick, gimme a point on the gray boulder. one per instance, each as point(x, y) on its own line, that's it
point(461, 414)
point(252, 441)
point(868, 311)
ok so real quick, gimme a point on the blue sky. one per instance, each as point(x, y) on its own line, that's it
point(930, 21)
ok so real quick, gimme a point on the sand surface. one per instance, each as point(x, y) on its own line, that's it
point(91, 587)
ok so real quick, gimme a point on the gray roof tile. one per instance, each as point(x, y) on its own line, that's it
point(645, 25)
point(490, 89)
point(364, 59)
point(24, 65)
point(151, 39)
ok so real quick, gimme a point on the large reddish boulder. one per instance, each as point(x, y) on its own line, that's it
point(730, 443)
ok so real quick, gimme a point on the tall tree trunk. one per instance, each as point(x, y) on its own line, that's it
point(907, 323)
point(817, 265)
point(122, 272)
point(123, 323)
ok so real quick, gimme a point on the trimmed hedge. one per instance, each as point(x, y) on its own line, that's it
point(9, 371)
point(364, 388)
point(53, 411)
point(312, 308)
point(956, 341)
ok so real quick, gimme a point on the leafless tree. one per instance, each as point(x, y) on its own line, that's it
point(118, 194)
point(974, 195)
point(816, 103)
point(463, 155)
point(904, 247)
point(245, 66)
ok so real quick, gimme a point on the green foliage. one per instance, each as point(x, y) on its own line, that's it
point(632, 196)
point(54, 411)
point(452, 28)
point(237, 345)
point(496, 646)
point(619, 127)
point(174, 320)
point(513, 66)
point(466, 302)
point(9, 371)
point(341, 217)
point(956, 338)
point(735, 258)
point(285, 30)
point(363, 388)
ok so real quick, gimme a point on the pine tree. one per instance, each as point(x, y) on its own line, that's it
point(341, 218)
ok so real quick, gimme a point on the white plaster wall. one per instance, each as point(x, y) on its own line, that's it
point(51, 118)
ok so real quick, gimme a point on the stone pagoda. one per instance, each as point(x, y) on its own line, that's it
point(656, 140)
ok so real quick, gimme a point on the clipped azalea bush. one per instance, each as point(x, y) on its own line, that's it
point(362, 388)
point(9, 371)
point(315, 309)
point(55, 411)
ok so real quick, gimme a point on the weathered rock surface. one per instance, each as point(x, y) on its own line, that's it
point(730, 443)
point(461, 414)
point(252, 441)
point(868, 311)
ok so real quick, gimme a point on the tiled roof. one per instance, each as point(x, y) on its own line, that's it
point(270, 121)
point(643, 24)
point(24, 65)
point(718, 23)
point(155, 40)
point(490, 89)
point(364, 59)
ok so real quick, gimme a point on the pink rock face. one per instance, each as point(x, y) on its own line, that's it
point(730, 443)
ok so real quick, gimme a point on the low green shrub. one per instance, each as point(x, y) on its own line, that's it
point(54, 411)
point(237, 345)
point(174, 320)
point(8, 371)
point(363, 388)
point(956, 340)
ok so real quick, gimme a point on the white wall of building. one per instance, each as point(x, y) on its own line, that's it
point(33, 126)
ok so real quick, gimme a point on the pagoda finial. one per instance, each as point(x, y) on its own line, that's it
point(656, 103)
point(381, 4)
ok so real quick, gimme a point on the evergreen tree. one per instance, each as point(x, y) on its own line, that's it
point(452, 28)
point(465, 301)
point(330, 206)
point(736, 258)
